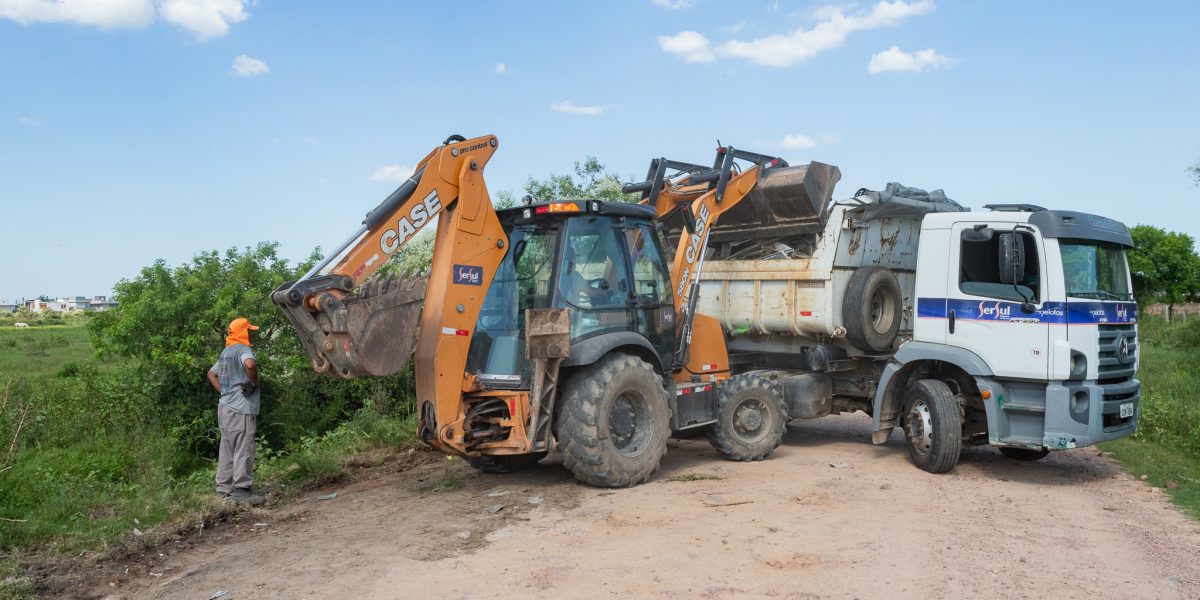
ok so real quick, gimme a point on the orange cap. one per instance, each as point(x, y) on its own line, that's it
point(241, 324)
point(239, 332)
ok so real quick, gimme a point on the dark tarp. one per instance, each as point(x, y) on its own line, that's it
point(898, 201)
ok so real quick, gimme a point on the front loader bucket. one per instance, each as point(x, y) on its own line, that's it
point(785, 202)
point(370, 332)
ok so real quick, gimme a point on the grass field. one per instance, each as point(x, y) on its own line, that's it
point(47, 351)
point(84, 460)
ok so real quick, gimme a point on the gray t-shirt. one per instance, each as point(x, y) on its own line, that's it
point(231, 372)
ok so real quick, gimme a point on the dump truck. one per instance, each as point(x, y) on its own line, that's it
point(1014, 327)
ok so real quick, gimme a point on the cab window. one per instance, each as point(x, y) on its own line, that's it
point(980, 263)
point(593, 269)
point(650, 282)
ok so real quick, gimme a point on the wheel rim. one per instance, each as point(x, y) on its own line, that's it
point(750, 420)
point(629, 423)
point(920, 428)
point(883, 310)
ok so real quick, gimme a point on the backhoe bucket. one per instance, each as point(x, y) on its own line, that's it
point(370, 332)
point(785, 202)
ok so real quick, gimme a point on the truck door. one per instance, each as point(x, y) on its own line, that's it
point(1000, 318)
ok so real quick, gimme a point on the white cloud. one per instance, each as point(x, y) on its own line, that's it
point(105, 14)
point(396, 173)
point(736, 28)
point(797, 142)
point(30, 121)
point(566, 106)
point(501, 68)
point(784, 50)
point(673, 4)
point(205, 18)
point(689, 45)
point(895, 59)
point(244, 66)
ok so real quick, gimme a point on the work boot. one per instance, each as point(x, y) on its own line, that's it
point(245, 496)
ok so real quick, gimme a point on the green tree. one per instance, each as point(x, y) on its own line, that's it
point(591, 180)
point(172, 322)
point(1167, 261)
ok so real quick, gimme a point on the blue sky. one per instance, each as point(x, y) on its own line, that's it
point(131, 131)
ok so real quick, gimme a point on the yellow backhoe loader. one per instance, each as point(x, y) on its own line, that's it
point(558, 324)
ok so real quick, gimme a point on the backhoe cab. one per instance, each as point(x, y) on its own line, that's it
point(560, 324)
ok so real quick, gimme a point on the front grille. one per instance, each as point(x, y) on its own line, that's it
point(1111, 369)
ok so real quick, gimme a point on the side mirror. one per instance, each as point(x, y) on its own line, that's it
point(1012, 258)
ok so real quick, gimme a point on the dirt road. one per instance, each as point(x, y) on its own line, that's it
point(1072, 526)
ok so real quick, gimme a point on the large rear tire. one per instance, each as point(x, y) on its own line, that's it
point(932, 426)
point(751, 418)
point(872, 308)
point(499, 464)
point(613, 422)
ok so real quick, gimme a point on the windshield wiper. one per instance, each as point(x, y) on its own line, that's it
point(1084, 293)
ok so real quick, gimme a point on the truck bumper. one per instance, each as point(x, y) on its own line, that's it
point(1059, 414)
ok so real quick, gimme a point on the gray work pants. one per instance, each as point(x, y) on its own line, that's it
point(235, 462)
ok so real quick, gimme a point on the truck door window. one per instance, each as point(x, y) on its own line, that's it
point(649, 280)
point(979, 270)
point(593, 270)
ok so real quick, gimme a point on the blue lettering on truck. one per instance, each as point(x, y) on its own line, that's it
point(1053, 313)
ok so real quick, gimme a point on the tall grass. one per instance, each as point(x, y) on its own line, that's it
point(1169, 368)
point(88, 453)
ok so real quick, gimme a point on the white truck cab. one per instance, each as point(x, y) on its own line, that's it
point(1053, 341)
point(1013, 327)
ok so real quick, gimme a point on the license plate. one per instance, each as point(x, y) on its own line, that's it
point(1126, 410)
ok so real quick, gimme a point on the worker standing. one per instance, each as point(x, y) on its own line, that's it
point(235, 377)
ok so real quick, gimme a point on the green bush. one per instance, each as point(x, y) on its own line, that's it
point(1169, 369)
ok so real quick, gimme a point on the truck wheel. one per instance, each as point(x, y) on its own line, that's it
point(614, 421)
point(932, 426)
point(871, 309)
point(1024, 453)
point(750, 418)
point(498, 464)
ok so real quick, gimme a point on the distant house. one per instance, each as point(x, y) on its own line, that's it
point(37, 305)
point(6, 306)
point(72, 303)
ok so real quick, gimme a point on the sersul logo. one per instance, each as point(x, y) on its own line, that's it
point(468, 275)
point(994, 311)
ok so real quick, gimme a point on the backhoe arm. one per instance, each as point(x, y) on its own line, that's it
point(701, 195)
point(350, 331)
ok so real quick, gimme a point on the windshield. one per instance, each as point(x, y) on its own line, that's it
point(522, 281)
point(1095, 270)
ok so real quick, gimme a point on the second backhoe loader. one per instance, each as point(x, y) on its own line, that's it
point(558, 324)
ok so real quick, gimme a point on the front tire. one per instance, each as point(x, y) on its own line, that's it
point(1024, 453)
point(751, 418)
point(613, 422)
point(932, 426)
